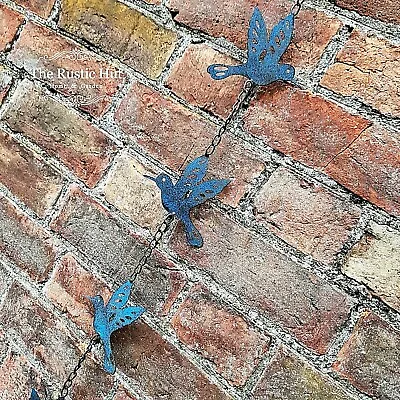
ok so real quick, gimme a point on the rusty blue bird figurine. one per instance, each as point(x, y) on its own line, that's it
point(34, 395)
point(113, 316)
point(188, 192)
point(263, 53)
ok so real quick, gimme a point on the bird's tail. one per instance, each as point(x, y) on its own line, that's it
point(109, 364)
point(192, 234)
point(221, 71)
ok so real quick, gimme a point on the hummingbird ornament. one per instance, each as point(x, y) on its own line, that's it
point(263, 53)
point(188, 192)
point(113, 316)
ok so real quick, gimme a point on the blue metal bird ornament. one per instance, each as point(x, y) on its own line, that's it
point(113, 316)
point(263, 53)
point(188, 192)
point(34, 395)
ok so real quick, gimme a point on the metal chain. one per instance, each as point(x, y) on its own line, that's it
point(138, 269)
point(222, 130)
point(297, 7)
point(153, 244)
point(72, 376)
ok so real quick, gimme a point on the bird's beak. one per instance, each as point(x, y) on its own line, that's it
point(149, 177)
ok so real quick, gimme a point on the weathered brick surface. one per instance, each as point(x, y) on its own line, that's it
point(40, 51)
point(4, 284)
point(26, 176)
point(159, 368)
point(115, 249)
point(69, 287)
point(386, 10)
point(121, 31)
point(133, 194)
point(289, 378)
point(18, 377)
point(231, 345)
point(370, 359)
point(375, 261)
point(122, 394)
point(230, 20)
point(302, 125)
point(200, 90)
point(305, 215)
point(10, 21)
point(5, 81)
point(61, 131)
point(266, 279)
point(370, 167)
point(40, 7)
point(26, 244)
point(367, 68)
point(50, 342)
point(175, 135)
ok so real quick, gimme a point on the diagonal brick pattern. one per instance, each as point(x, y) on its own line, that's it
point(295, 294)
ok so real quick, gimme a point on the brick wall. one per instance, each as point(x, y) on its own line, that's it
point(296, 292)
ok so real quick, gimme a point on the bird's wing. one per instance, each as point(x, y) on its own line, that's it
point(280, 38)
point(191, 176)
point(257, 38)
point(119, 298)
point(206, 190)
point(125, 317)
point(34, 395)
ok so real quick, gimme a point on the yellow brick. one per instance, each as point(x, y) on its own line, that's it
point(121, 31)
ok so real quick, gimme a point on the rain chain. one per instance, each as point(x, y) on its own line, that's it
point(262, 68)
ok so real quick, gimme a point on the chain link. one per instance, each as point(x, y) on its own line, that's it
point(297, 7)
point(138, 269)
point(72, 376)
point(222, 130)
point(153, 244)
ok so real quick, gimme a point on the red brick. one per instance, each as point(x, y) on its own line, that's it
point(25, 243)
point(215, 96)
point(230, 19)
point(116, 250)
point(219, 335)
point(18, 377)
point(39, 50)
point(266, 279)
point(305, 215)
point(367, 69)
point(69, 287)
point(5, 81)
point(121, 31)
point(174, 135)
point(370, 359)
point(27, 177)
point(385, 10)
point(306, 127)
point(61, 131)
point(122, 394)
point(370, 167)
point(40, 7)
point(51, 343)
point(288, 377)
point(10, 21)
point(159, 369)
